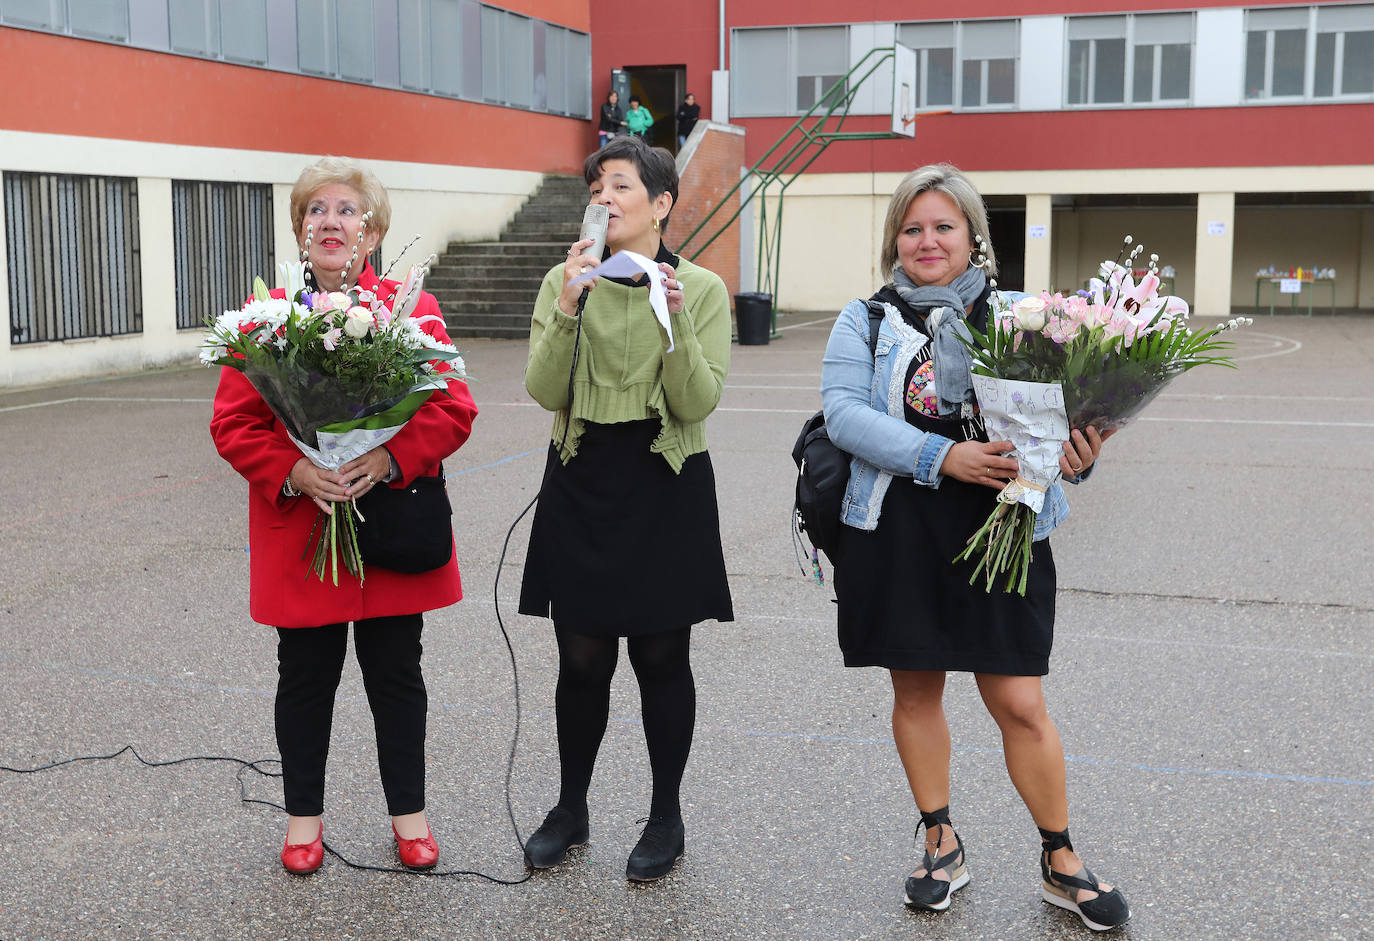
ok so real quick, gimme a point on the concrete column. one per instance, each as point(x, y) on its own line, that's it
point(1039, 237)
point(6, 371)
point(157, 252)
point(1364, 276)
point(286, 247)
point(1216, 231)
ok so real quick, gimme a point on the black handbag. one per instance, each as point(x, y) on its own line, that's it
point(407, 529)
point(823, 470)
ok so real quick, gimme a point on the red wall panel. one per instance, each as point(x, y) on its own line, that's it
point(1299, 135)
point(93, 89)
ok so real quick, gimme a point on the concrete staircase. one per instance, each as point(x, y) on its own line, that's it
point(488, 289)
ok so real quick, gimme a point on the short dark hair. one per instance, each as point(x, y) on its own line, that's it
point(656, 167)
point(636, 98)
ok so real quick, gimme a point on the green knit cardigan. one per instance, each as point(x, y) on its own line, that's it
point(624, 372)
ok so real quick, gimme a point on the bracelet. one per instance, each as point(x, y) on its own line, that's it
point(287, 490)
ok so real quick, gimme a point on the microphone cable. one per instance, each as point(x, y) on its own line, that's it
point(245, 765)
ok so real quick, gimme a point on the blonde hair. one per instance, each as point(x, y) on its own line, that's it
point(942, 178)
point(329, 170)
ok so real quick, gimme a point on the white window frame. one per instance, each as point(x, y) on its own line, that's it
point(792, 68)
point(960, 57)
point(1338, 57)
point(1308, 94)
point(1128, 65)
point(923, 52)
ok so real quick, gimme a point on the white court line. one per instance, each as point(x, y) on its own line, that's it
point(96, 398)
point(1209, 421)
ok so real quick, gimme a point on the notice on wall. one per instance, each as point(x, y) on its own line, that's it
point(1036, 231)
point(1216, 228)
point(1290, 285)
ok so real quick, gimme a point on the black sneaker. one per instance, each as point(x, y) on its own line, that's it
point(659, 847)
point(1103, 912)
point(926, 891)
point(561, 830)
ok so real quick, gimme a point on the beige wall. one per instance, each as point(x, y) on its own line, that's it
point(1084, 238)
point(1287, 238)
point(832, 227)
point(438, 203)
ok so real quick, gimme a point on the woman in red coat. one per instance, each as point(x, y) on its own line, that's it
point(328, 205)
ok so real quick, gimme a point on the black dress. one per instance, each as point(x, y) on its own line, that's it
point(903, 604)
point(621, 545)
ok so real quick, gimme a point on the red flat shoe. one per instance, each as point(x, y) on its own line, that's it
point(417, 854)
point(304, 858)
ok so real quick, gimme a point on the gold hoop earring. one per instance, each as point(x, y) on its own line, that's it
point(655, 223)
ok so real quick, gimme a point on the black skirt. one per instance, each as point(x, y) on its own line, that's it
point(904, 605)
point(621, 545)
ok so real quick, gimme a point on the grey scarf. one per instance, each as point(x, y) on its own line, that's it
point(945, 305)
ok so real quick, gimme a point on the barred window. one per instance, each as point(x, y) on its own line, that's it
point(223, 239)
point(73, 254)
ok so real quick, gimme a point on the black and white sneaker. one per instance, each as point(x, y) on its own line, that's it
point(1103, 912)
point(940, 876)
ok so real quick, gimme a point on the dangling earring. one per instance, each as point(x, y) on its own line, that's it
point(655, 223)
point(978, 257)
point(305, 249)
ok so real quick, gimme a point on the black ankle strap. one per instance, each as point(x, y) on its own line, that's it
point(1051, 840)
point(936, 817)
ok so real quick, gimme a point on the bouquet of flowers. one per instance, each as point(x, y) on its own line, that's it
point(1055, 362)
point(343, 374)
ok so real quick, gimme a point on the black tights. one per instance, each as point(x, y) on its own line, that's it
point(583, 701)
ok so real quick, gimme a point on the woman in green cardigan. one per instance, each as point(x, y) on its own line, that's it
point(626, 539)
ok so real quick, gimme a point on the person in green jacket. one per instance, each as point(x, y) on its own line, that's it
point(638, 118)
point(626, 539)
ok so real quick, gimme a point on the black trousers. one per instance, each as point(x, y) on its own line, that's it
point(309, 664)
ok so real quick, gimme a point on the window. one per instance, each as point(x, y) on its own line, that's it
point(517, 61)
point(787, 70)
point(73, 255)
point(1097, 60)
point(230, 29)
point(1154, 51)
point(92, 19)
point(822, 57)
point(223, 235)
point(987, 63)
point(934, 46)
point(1345, 51)
point(1276, 52)
point(759, 72)
point(45, 14)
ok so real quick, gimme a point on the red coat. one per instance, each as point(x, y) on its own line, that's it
point(250, 438)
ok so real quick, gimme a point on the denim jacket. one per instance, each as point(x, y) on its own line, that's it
point(862, 394)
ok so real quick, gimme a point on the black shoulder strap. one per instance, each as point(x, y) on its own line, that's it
point(876, 313)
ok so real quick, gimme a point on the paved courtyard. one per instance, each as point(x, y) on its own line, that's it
point(1213, 680)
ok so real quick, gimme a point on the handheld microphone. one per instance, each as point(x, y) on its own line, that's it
point(594, 222)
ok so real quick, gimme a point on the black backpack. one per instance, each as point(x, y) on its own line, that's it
point(823, 470)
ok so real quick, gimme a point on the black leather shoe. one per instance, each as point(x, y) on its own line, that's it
point(659, 847)
point(561, 830)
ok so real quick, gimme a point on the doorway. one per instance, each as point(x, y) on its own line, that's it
point(660, 88)
point(1007, 228)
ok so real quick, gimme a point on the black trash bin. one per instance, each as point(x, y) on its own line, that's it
point(754, 317)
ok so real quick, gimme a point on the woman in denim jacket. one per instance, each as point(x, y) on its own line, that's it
point(923, 478)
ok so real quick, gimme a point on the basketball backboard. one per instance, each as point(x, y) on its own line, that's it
point(903, 90)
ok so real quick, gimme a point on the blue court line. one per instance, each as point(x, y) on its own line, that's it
point(504, 460)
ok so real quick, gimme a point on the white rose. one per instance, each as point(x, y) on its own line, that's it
point(358, 322)
point(1028, 314)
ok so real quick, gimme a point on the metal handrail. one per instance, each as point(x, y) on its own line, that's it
point(836, 102)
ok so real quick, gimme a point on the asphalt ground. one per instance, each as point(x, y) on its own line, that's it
point(1211, 680)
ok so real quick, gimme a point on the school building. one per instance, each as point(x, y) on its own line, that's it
point(148, 147)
